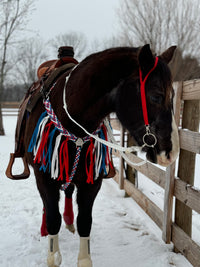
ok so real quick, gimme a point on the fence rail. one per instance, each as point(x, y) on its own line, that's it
point(174, 186)
point(10, 104)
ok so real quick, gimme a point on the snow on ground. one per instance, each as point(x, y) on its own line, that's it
point(122, 234)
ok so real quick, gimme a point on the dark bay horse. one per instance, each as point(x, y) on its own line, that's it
point(104, 82)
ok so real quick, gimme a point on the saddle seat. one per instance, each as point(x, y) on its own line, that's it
point(50, 65)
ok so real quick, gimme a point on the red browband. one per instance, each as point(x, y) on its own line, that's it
point(142, 90)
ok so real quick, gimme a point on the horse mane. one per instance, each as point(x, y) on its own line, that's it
point(111, 52)
point(100, 72)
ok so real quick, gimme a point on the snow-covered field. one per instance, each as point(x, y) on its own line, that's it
point(122, 234)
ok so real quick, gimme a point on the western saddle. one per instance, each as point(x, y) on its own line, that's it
point(47, 74)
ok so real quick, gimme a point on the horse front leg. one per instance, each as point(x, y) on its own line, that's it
point(49, 192)
point(85, 198)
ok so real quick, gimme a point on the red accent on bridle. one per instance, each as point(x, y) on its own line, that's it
point(142, 90)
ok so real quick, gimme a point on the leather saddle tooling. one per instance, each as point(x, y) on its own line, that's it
point(47, 73)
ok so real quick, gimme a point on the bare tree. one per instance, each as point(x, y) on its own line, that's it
point(30, 55)
point(13, 15)
point(162, 23)
point(113, 41)
point(77, 40)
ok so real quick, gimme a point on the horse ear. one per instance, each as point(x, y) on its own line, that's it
point(146, 59)
point(168, 54)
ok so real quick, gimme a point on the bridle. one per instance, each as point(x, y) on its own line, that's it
point(113, 144)
point(144, 108)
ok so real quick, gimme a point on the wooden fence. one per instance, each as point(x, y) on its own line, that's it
point(174, 187)
point(10, 104)
point(9, 108)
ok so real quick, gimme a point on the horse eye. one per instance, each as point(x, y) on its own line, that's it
point(156, 99)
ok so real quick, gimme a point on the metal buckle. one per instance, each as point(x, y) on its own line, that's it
point(147, 134)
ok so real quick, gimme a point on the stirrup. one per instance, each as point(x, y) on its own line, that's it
point(23, 175)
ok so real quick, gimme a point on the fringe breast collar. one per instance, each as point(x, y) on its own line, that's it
point(49, 144)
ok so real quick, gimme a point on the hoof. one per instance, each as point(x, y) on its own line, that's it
point(85, 263)
point(54, 259)
point(70, 227)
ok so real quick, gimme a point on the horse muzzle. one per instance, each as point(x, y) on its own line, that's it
point(164, 160)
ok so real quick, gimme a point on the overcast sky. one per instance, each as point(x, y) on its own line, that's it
point(95, 18)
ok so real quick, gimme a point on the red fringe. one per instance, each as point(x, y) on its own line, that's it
point(91, 166)
point(43, 144)
point(64, 161)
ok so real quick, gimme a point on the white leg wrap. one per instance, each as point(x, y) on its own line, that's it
point(54, 257)
point(84, 259)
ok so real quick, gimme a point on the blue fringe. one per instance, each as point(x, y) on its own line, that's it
point(48, 155)
point(103, 152)
point(34, 136)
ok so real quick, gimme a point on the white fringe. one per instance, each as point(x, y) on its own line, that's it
point(55, 158)
point(39, 135)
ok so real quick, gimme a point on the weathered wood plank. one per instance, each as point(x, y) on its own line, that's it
point(190, 140)
point(186, 169)
point(178, 88)
point(168, 204)
point(121, 160)
point(186, 245)
point(115, 124)
point(154, 212)
point(187, 194)
point(191, 90)
point(156, 174)
point(10, 104)
point(170, 172)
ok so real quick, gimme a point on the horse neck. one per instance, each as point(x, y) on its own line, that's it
point(89, 89)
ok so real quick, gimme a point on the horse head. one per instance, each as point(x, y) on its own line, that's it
point(156, 131)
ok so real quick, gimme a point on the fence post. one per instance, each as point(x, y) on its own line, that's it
point(170, 172)
point(131, 173)
point(190, 120)
point(121, 160)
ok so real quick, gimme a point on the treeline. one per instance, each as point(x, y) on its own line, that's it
point(14, 93)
